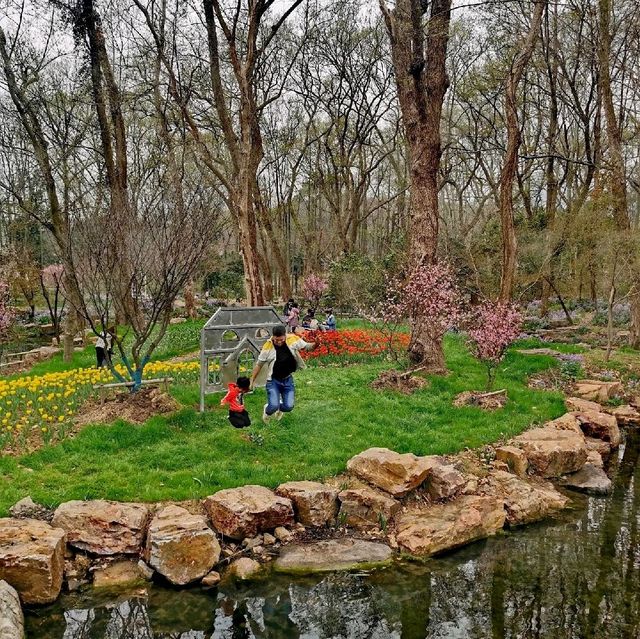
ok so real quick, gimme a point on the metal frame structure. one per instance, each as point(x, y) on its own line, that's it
point(231, 340)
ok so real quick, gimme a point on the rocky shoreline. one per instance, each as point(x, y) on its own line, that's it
point(387, 504)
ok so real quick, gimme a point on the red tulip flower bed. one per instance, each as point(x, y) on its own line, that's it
point(351, 343)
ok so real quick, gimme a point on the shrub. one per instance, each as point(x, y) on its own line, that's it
point(493, 326)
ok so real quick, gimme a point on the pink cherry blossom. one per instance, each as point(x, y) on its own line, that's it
point(313, 288)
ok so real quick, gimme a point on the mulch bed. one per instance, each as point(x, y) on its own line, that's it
point(398, 381)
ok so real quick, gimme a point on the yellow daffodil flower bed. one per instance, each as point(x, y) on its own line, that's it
point(41, 408)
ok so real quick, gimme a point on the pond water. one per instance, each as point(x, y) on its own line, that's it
point(577, 576)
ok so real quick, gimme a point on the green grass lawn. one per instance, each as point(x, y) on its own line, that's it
point(188, 455)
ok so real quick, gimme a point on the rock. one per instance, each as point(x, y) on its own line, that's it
point(552, 452)
point(212, 579)
point(567, 421)
point(181, 546)
point(590, 479)
point(282, 534)
point(118, 574)
point(32, 558)
point(244, 568)
point(366, 507)
point(395, 473)
point(443, 480)
point(578, 404)
point(103, 527)
point(515, 459)
point(268, 540)
point(177, 320)
point(315, 504)
point(595, 459)
point(524, 501)
point(500, 465)
point(246, 511)
point(27, 509)
point(11, 618)
point(440, 527)
point(76, 571)
point(599, 446)
point(251, 542)
point(626, 415)
point(146, 570)
point(333, 554)
point(600, 426)
point(258, 551)
point(598, 391)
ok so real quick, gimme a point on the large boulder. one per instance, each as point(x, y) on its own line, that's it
point(366, 507)
point(11, 618)
point(552, 452)
point(247, 511)
point(103, 527)
point(598, 391)
point(441, 527)
point(32, 558)
point(333, 554)
point(567, 421)
point(524, 501)
point(181, 546)
point(314, 503)
point(392, 472)
point(443, 480)
point(589, 479)
point(514, 458)
point(599, 425)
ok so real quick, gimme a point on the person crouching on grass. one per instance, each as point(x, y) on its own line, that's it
point(281, 354)
point(238, 415)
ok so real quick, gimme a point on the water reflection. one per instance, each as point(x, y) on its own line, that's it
point(575, 578)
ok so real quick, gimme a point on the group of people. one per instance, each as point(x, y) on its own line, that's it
point(291, 316)
point(278, 360)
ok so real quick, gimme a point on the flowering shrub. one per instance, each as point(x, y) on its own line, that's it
point(493, 327)
point(313, 288)
point(38, 408)
point(6, 312)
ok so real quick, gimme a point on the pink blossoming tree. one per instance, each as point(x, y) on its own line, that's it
point(493, 326)
point(313, 288)
point(430, 299)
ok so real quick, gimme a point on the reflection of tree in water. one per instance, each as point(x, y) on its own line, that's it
point(129, 620)
point(78, 624)
point(343, 606)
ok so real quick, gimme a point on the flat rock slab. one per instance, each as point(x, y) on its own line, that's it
point(11, 618)
point(366, 507)
point(332, 555)
point(524, 501)
point(314, 503)
point(103, 527)
point(598, 391)
point(626, 415)
point(393, 472)
point(32, 558)
point(589, 479)
point(552, 452)
point(181, 546)
point(435, 529)
point(119, 574)
point(579, 404)
point(247, 511)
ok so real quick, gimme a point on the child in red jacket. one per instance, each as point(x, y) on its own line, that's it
point(238, 415)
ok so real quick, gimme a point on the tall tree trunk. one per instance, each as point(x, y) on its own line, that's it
point(618, 181)
point(419, 64)
point(510, 164)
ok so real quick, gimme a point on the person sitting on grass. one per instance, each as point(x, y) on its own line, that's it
point(309, 320)
point(238, 415)
point(330, 321)
point(281, 354)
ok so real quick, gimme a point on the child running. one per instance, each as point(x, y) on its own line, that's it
point(238, 415)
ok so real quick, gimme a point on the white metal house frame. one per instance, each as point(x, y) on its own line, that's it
point(230, 343)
